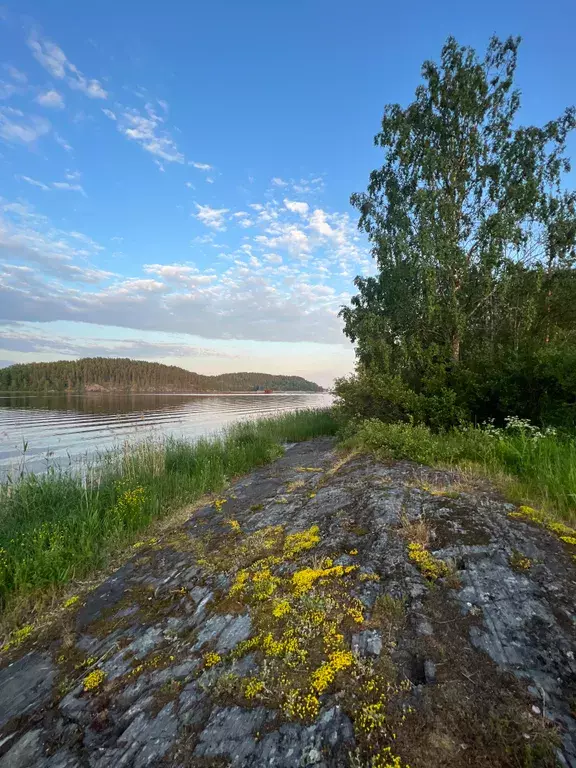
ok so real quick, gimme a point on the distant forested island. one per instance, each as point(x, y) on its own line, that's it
point(105, 374)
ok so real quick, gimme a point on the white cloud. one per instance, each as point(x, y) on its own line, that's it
point(72, 175)
point(212, 217)
point(319, 224)
point(62, 142)
point(190, 185)
point(16, 74)
point(286, 237)
point(66, 186)
point(26, 236)
point(109, 113)
point(34, 183)
point(54, 60)
point(202, 166)
point(16, 338)
point(7, 90)
point(134, 285)
point(301, 208)
point(309, 186)
point(278, 182)
point(171, 271)
point(51, 99)
point(15, 127)
point(273, 258)
point(147, 131)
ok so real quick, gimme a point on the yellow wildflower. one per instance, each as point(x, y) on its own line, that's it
point(299, 705)
point(281, 608)
point(94, 680)
point(431, 567)
point(253, 687)
point(211, 659)
point(300, 542)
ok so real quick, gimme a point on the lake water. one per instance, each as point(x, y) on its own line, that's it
point(60, 428)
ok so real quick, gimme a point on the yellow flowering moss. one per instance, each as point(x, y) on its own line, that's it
point(239, 582)
point(301, 706)
point(369, 577)
point(325, 674)
point(539, 518)
point(218, 504)
point(431, 567)
point(211, 659)
point(304, 580)
point(385, 759)
point(246, 646)
point(94, 680)
point(235, 526)
point(264, 584)
point(18, 636)
point(371, 717)
point(71, 601)
point(281, 608)
point(314, 618)
point(355, 614)
point(299, 617)
point(519, 562)
point(287, 648)
point(569, 540)
point(300, 542)
point(253, 687)
point(341, 660)
point(322, 678)
point(353, 552)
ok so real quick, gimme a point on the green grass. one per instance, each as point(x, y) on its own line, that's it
point(62, 525)
point(529, 465)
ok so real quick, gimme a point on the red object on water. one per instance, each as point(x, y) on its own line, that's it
point(267, 391)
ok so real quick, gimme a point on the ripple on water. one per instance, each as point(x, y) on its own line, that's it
point(57, 428)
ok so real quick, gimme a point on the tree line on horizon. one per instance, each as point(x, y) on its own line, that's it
point(472, 313)
point(125, 375)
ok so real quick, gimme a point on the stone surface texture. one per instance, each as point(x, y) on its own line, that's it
point(489, 629)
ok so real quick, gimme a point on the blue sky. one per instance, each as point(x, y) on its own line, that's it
point(174, 177)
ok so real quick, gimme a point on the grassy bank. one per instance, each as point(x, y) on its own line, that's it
point(62, 525)
point(529, 465)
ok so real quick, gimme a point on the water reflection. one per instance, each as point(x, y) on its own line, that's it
point(57, 428)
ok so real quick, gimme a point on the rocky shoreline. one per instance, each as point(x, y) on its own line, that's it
point(327, 610)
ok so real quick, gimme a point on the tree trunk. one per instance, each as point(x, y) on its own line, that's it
point(455, 347)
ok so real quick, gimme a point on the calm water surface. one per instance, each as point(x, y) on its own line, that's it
point(58, 429)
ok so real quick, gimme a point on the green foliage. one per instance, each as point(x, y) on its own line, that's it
point(542, 464)
point(397, 441)
point(373, 394)
point(61, 525)
point(473, 308)
point(123, 375)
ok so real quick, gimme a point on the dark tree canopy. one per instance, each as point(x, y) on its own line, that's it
point(471, 227)
point(123, 375)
